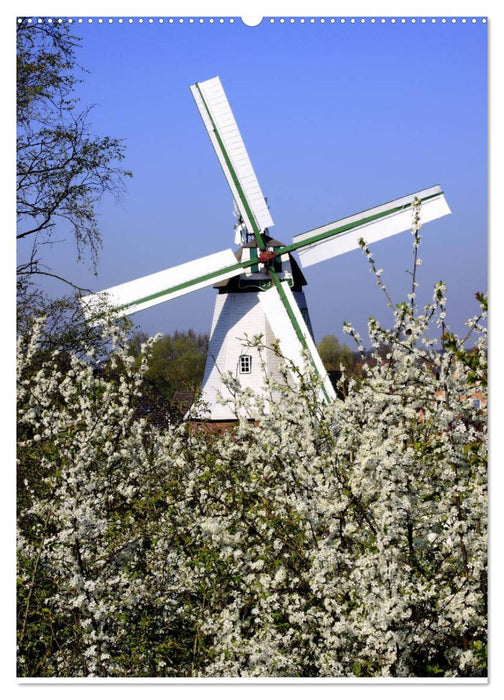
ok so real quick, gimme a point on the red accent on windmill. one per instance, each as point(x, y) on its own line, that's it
point(267, 256)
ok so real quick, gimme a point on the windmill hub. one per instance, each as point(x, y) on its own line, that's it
point(267, 257)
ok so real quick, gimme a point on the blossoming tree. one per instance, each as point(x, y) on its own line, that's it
point(338, 541)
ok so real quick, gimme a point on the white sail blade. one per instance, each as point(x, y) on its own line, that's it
point(159, 287)
point(220, 123)
point(372, 225)
point(286, 330)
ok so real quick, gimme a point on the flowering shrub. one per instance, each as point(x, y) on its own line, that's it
point(308, 541)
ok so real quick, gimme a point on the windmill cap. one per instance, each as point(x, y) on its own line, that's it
point(231, 284)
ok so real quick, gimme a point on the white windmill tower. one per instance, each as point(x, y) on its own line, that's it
point(259, 286)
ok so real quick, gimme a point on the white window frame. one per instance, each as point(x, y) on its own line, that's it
point(245, 364)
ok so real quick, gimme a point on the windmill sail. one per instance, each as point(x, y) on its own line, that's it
point(274, 308)
point(371, 225)
point(161, 286)
point(220, 123)
point(291, 331)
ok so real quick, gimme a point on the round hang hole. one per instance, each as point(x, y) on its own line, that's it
point(252, 21)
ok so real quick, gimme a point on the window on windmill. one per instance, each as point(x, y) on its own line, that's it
point(245, 364)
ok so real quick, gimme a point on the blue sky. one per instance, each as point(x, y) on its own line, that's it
point(337, 118)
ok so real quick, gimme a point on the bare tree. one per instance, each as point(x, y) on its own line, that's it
point(63, 169)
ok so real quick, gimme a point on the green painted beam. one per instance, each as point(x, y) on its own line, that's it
point(299, 333)
point(354, 224)
point(233, 270)
point(243, 199)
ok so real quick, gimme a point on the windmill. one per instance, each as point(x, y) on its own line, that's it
point(260, 286)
